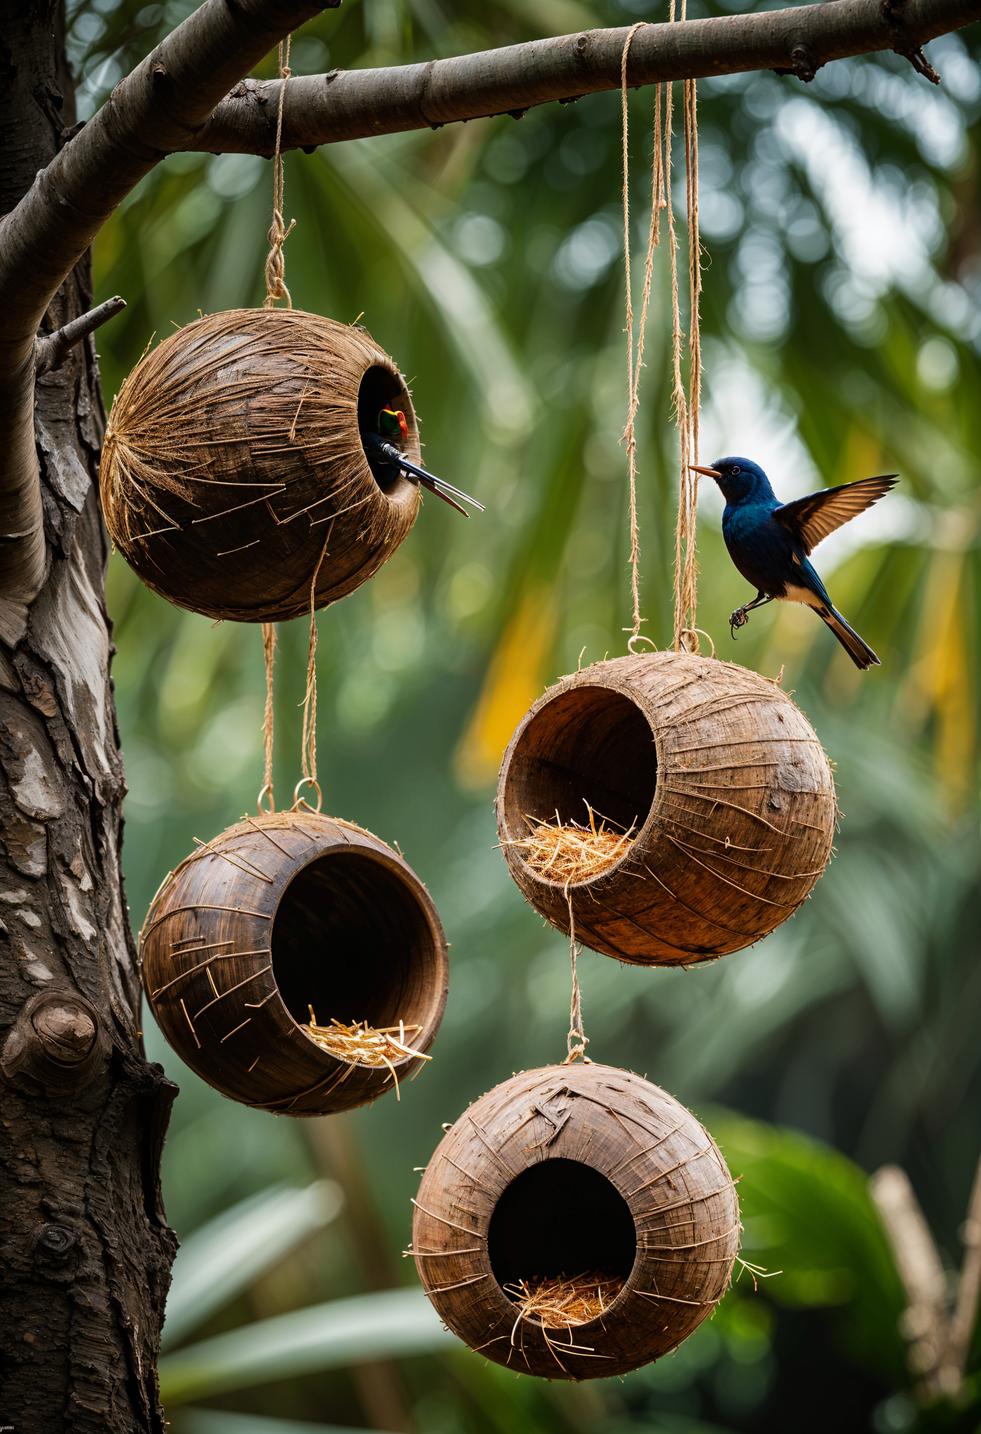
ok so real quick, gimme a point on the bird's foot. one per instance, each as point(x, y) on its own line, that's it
point(737, 619)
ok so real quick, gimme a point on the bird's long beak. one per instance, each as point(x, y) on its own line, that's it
point(708, 472)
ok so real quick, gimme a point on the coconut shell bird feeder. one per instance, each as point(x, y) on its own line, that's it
point(234, 460)
point(284, 917)
point(679, 807)
point(576, 1222)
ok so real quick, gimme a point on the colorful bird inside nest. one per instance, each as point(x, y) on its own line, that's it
point(769, 541)
point(391, 429)
point(392, 424)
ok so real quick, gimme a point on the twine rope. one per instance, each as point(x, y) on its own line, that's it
point(686, 632)
point(635, 354)
point(576, 1039)
point(267, 792)
point(279, 230)
point(685, 402)
point(308, 740)
point(275, 274)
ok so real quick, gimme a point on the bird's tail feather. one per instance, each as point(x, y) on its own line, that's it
point(856, 647)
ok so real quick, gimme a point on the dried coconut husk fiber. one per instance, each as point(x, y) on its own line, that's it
point(233, 453)
point(710, 798)
point(280, 913)
point(576, 1222)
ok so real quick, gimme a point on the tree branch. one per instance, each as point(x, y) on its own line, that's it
point(53, 349)
point(355, 104)
point(924, 1323)
point(938, 1344)
point(174, 101)
point(965, 1314)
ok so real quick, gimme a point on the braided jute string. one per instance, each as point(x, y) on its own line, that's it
point(576, 1040)
point(308, 741)
point(685, 404)
point(635, 355)
point(279, 230)
point(276, 289)
point(267, 795)
point(687, 407)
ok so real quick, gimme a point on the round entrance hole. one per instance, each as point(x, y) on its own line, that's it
point(559, 1220)
point(383, 388)
point(351, 940)
point(588, 749)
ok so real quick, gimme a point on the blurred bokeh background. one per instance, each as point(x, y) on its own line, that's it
point(841, 332)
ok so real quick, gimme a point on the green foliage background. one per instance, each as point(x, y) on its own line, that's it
point(841, 335)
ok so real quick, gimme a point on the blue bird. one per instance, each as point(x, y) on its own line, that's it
point(769, 541)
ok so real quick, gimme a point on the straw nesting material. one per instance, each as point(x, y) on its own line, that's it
point(360, 1044)
point(233, 461)
point(571, 852)
point(561, 1302)
point(279, 912)
point(711, 771)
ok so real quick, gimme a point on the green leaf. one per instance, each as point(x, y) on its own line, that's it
point(223, 1257)
point(383, 1326)
point(218, 1421)
point(807, 1214)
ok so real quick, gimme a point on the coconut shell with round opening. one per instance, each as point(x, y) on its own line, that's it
point(280, 913)
point(576, 1222)
point(233, 458)
point(696, 803)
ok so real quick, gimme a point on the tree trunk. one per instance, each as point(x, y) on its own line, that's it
point(85, 1252)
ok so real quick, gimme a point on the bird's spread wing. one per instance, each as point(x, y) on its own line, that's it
point(812, 518)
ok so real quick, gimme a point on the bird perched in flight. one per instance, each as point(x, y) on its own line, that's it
point(769, 541)
point(393, 429)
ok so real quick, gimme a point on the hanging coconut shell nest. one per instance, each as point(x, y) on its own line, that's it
point(576, 1222)
point(233, 460)
point(296, 963)
point(682, 806)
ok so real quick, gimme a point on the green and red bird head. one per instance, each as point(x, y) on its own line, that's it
point(392, 424)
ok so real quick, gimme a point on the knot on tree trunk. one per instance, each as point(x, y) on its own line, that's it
point(56, 1044)
point(57, 1251)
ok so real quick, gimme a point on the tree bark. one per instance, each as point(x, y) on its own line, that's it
point(84, 1248)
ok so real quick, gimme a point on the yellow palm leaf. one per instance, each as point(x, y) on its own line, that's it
point(515, 677)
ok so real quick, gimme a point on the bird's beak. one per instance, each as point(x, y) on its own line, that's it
point(708, 472)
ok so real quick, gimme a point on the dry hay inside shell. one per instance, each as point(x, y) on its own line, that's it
point(570, 853)
point(359, 1044)
point(561, 1302)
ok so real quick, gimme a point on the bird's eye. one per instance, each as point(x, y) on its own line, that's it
point(736, 469)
